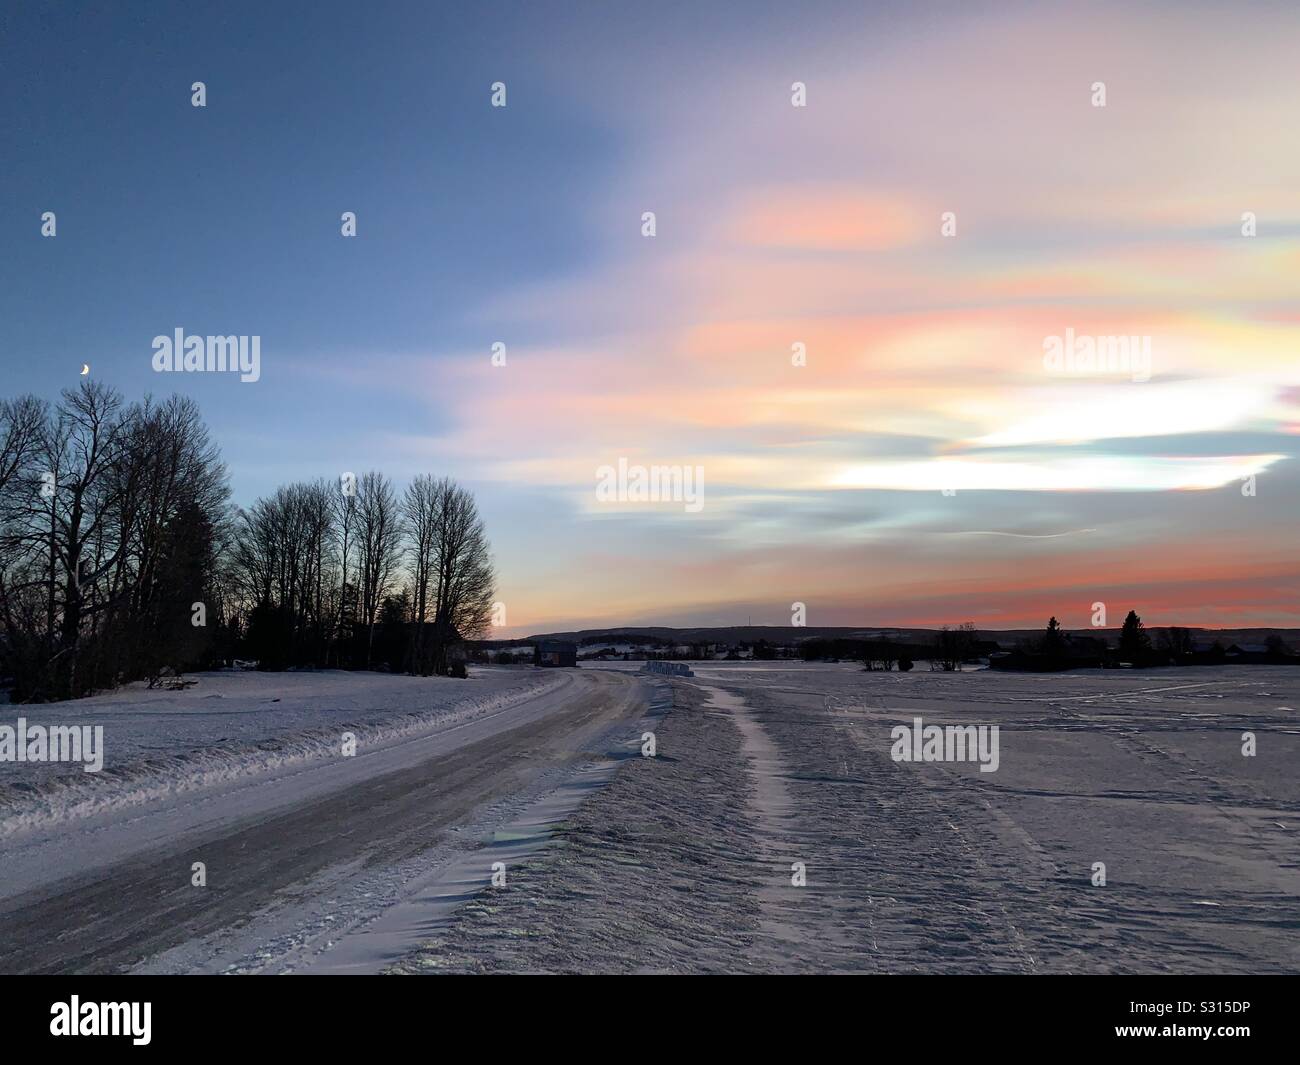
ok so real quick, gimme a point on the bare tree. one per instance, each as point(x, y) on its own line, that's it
point(21, 421)
point(115, 524)
point(379, 535)
point(80, 449)
point(345, 518)
point(953, 646)
point(169, 524)
point(464, 576)
point(106, 509)
point(421, 507)
point(287, 567)
point(881, 654)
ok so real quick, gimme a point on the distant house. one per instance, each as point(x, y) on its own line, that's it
point(555, 653)
point(1076, 652)
point(1259, 652)
point(1085, 650)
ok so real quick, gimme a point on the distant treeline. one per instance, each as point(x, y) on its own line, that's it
point(947, 651)
point(121, 557)
point(1136, 648)
point(951, 648)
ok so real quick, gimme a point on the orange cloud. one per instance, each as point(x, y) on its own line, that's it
point(821, 218)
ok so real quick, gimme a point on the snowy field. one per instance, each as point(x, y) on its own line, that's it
point(774, 830)
point(684, 863)
point(230, 725)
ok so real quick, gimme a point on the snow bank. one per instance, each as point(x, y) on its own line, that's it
point(235, 724)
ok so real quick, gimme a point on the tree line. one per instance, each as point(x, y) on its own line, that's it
point(951, 647)
point(1137, 647)
point(122, 558)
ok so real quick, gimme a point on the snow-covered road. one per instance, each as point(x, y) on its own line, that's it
point(301, 842)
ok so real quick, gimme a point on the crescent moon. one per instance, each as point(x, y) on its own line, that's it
point(85, 368)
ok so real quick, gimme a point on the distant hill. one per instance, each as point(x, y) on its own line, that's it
point(774, 634)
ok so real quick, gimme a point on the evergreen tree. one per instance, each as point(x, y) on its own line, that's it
point(1134, 642)
point(1053, 639)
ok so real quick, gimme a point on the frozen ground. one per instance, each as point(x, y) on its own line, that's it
point(684, 863)
point(678, 863)
point(232, 725)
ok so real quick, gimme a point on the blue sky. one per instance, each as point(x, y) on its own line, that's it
point(775, 224)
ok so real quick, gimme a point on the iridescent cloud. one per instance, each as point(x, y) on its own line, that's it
point(817, 230)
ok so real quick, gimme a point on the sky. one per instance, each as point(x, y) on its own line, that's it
point(844, 325)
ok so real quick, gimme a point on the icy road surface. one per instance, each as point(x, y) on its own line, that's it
point(298, 842)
